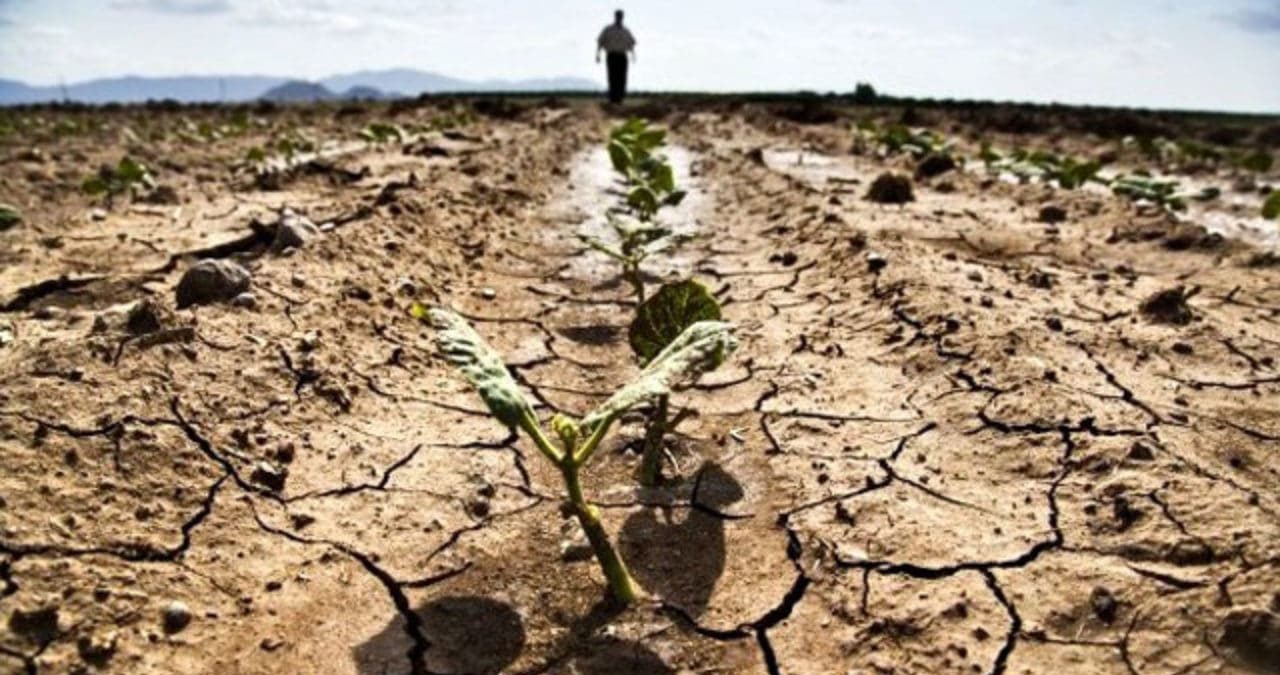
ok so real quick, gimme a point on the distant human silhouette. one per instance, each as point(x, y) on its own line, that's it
point(616, 42)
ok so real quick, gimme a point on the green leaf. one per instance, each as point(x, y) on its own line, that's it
point(9, 216)
point(643, 200)
point(619, 156)
point(460, 345)
point(674, 198)
point(95, 185)
point(664, 179)
point(666, 314)
point(1271, 207)
point(256, 154)
point(131, 171)
point(651, 139)
point(702, 347)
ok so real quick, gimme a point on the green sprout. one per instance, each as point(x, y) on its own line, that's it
point(126, 177)
point(1142, 187)
point(699, 348)
point(379, 133)
point(651, 185)
point(659, 321)
point(636, 242)
point(651, 182)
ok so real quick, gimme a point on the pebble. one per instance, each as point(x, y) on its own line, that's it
point(488, 293)
point(210, 281)
point(293, 231)
point(176, 616)
point(245, 301)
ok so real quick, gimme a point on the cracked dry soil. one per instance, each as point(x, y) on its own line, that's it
point(978, 458)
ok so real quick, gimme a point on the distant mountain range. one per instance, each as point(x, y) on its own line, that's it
point(369, 84)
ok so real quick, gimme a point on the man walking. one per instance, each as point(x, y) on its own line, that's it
point(616, 42)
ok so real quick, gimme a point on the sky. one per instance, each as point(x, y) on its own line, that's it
point(1190, 54)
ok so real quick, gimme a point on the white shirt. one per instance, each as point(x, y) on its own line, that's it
point(616, 39)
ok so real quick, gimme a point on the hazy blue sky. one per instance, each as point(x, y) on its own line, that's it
point(1208, 54)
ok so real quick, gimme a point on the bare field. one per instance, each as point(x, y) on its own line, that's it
point(1004, 427)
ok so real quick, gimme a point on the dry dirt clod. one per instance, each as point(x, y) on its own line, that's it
point(38, 622)
point(210, 281)
point(935, 164)
point(1169, 306)
point(891, 188)
point(176, 616)
point(143, 318)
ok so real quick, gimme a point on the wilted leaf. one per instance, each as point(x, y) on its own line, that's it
point(665, 315)
point(700, 348)
point(460, 345)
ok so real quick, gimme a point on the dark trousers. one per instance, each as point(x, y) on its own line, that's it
point(617, 64)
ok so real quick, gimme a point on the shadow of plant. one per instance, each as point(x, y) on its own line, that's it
point(681, 562)
point(468, 634)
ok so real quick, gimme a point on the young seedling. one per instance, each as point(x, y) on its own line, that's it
point(650, 179)
point(378, 133)
point(699, 348)
point(651, 186)
point(659, 321)
point(127, 176)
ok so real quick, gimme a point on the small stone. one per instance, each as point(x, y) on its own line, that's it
point(269, 476)
point(210, 281)
point(488, 293)
point(406, 287)
point(245, 300)
point(143, 318)
point(270, 644)
point(273, 586)
point(1054, 324)
point(1104, 604)
point(176, 617)
point(293, 231)
point(98, 214)
point(875, 262)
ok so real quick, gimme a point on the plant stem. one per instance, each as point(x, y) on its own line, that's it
point(651, 458)
point(615, 570)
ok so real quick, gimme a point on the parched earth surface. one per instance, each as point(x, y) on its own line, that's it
point(951, 440)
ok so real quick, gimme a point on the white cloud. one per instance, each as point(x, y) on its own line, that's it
point(175, 6)
point(318, 14)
